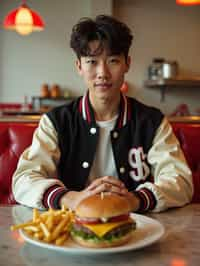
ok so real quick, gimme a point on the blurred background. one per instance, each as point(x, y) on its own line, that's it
point(166, 36)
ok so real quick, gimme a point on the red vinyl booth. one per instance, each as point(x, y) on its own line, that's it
point(189, 138)
point(16, 136)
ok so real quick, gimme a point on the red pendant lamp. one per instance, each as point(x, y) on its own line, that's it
point(23, 20)
point(188, 2)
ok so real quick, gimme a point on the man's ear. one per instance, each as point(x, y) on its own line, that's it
point(78, 66)
point(128, 63)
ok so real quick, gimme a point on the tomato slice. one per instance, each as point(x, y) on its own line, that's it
point(119, 218)
point(114, 219)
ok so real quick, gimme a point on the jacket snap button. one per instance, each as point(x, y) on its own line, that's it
point(122, 170)
point(85, 164)
point(115, 135)
point(93, 130)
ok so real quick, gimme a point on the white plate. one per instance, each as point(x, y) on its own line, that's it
point(147, 232)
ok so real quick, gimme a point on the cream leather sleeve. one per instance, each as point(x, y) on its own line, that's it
point(173, 186)
point(36, 170)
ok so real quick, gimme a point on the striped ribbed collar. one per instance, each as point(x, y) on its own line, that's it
point(86, 110)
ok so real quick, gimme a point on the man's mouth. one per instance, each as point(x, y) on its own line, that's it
point(103, 85)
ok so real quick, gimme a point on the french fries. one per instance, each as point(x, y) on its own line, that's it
point(51, 226)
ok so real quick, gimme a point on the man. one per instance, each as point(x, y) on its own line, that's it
point(104, 141)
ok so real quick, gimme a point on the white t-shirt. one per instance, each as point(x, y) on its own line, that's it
point(104, 163)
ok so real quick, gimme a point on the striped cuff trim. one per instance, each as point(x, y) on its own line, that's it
point(147, 199)
point(52, 196)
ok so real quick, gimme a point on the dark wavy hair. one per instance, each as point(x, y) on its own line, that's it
point(107, 30)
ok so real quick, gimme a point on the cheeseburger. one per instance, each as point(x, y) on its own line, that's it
point(102, 221)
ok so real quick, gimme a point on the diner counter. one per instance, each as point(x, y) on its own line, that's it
point(184, 119)
point(34, 117)
point(180, 242)
point(20, 118)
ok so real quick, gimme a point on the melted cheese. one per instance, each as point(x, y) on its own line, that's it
point(101, 229)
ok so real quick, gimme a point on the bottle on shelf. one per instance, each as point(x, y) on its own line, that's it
point(55, 91)
point(25, 105)
point(44, 92)
point(155, 69)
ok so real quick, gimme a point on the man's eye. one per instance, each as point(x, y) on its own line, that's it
point(114, 60)
point(91, 62)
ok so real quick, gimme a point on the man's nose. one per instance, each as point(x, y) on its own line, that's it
point(103, 71)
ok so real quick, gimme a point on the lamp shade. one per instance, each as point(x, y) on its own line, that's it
point(188, 2)
point(23, 20)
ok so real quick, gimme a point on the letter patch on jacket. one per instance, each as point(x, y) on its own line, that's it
point(136, 159)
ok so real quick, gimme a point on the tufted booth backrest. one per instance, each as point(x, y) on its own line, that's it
point(15, 137)
point(189, 137)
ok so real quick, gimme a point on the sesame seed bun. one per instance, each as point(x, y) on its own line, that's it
point(106, 206)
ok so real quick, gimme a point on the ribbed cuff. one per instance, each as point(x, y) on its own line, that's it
point(147, 199)
point(52, 195)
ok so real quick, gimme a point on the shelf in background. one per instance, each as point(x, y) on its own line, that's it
point(43, 102)
point(162, 84)
point(172, 83)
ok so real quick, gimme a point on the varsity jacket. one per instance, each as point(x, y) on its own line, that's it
point(147, 156)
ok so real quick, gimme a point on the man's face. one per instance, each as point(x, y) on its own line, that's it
point(103, 73)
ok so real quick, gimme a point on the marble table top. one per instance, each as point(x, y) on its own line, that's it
point(180, 242)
